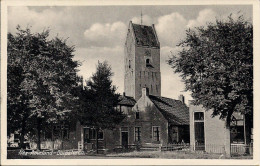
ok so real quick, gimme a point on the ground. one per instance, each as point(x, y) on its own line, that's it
point(13, 154)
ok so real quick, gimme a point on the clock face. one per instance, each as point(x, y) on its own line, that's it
point(148, 52)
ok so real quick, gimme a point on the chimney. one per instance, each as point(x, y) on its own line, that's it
point(181, 98)
point(145, 92)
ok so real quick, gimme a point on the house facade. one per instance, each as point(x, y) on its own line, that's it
point(150, 120)
point(210, 134)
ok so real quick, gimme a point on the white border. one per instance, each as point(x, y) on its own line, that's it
point(4, 161)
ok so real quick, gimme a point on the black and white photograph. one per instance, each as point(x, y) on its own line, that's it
point(129, 81)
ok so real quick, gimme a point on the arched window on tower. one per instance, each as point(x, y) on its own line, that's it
point(148, 63)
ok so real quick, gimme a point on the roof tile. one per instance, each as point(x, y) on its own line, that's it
point(175, 111)
point(126, 100)
point(145, 35)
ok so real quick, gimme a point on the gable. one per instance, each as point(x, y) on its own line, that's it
point(148, 111)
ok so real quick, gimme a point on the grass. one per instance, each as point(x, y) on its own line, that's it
point(175, 155)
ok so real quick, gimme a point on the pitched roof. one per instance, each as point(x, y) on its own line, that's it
point(176, 112)
point(145, 35)
point(126, 100)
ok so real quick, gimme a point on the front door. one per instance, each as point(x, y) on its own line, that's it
point(199, 136)
point(124, 139)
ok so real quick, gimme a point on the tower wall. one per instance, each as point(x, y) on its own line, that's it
point(149, 77)
point(129, 50)
point(137, 73)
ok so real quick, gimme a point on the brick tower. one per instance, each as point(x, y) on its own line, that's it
point(142, 61)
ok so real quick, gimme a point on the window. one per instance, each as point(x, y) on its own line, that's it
point(56, 131)
point(124, 129)
point(100, 134)
point(157, 88)
point(237, 130)
point(151, 88)
point(65, 133)
point(137, 133)
point(61, 132)
point(92, 133)
point(147, 61)
point(156, 133)
point(86, 135)
point(137, 115)
point(129, 65)
point(198, 116)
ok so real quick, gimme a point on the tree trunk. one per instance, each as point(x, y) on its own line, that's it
point(22, 134)
point(97, 139)
point(227, 135)
point(38, 133)
point(52, 137)
point(61, 138)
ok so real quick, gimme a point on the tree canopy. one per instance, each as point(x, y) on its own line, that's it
point(216, 65)
point(41, 78)
point(101, 99)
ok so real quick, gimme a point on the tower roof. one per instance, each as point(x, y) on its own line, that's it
point(145, 35)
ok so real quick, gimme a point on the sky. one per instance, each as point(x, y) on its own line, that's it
point(99, 32)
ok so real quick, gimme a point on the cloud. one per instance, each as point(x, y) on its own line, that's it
point(172, 85)
point(170, 28)
point(89, 58)
point(60, 22)
point(205, 16)
point(106, 34)
point(104, 40)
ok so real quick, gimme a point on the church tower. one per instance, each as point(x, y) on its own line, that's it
point(142, 61)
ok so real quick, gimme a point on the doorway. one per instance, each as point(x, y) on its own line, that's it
point(124, 139)
point(199, 131)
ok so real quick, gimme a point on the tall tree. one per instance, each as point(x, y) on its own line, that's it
point(41, 77)
point(216, 65)
point(101, 99)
